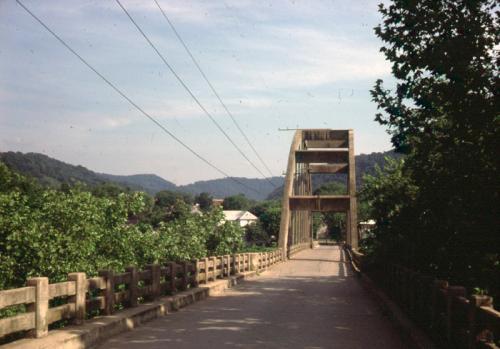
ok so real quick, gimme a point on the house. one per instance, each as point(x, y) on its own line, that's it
point(365, 227)
point(244, 218)
point(217, 202)
point(195, 209)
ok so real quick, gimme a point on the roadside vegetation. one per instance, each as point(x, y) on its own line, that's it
point(51, 232)
point(436, 209)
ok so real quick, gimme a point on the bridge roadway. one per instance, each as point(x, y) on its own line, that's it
point(311, 301)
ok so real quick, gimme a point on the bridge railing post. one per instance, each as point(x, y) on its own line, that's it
point(109, 292)
point(213, 261)
point(453, 291)
point(437, 288)
point(133, 286)
point(185, 275)
point(172, 267)
point(155, 280)
point(222, 266)
point(475, 302)
point(80, 280)
point(196, 278)
point(41, 305)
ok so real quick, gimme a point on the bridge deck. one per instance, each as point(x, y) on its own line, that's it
point(312, 301)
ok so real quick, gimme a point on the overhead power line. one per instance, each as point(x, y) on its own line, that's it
point(122, 94)
point(192, 94)
point(212, 87)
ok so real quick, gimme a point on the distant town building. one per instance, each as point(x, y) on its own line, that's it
point(365, 227)
point(244, 218)
point(217, 202)
point(195, 209)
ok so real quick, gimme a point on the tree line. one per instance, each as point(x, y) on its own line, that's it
point(51, 232)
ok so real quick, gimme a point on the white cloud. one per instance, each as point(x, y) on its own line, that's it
point(312, 58)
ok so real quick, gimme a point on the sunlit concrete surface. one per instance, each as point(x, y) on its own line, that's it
point(312, 301)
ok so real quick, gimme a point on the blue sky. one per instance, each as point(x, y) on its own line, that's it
point(307, 64)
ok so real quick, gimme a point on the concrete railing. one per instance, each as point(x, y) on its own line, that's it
point(451, 317)
point(80, 298)
point(299, 247)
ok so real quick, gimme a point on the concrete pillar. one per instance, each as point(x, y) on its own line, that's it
point(353, 213)
point(80, 280)
point(233, 265)
point(109, 292)
point(196, 264)
point(228, 264)
point(453, 291)
point(41, 305)
point(155, 280)
point(214, 271)
point(133, 286)
point(207, 268)
point(185, 275)
point(172, 267)
point(475, 302)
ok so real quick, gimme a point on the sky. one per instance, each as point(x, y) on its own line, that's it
point(276, 64)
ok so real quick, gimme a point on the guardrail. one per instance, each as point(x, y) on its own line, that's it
point(450, 316)
point(80, 297)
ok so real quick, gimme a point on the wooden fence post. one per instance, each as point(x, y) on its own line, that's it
point(133, 286)
point(80, 280)
point(41, 305)
point(109, 292)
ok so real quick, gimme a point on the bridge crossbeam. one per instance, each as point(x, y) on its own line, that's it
point(330, 203)
point(330, 156)
point(328, 168)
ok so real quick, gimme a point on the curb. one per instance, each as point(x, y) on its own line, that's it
point(100, 328)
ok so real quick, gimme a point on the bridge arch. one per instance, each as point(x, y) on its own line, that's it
point(316, 151)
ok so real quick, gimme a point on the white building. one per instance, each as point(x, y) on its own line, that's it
point(242, 217)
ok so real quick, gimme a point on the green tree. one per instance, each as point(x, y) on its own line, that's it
point(204, 200)
point(444, 114)
point(237, 202)
point(255, 234)
point(334, 221)
point(48, 232)
point(269, 214)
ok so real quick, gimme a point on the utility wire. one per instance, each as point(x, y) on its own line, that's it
point(212, 87)
point(191, 93)
point(142, 111)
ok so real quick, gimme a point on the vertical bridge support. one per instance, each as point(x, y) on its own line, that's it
point(316, 151)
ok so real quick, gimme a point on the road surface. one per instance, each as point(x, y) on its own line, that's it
point(312, 301)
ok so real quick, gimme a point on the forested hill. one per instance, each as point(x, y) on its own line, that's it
point(54, 173)
point(223, 187)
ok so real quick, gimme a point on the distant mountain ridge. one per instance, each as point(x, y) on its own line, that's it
point(53, 172)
